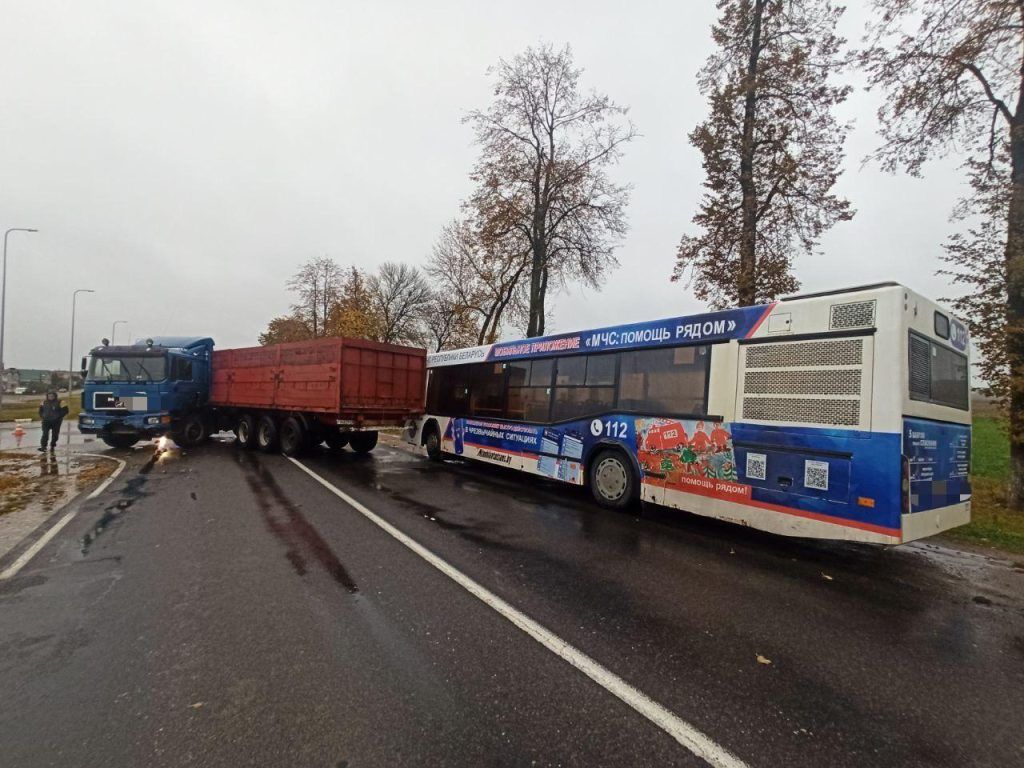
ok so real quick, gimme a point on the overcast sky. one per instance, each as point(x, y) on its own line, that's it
point(182, 158)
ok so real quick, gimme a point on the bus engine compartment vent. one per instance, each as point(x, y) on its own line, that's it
point(831, 353)
point(856, 314)
point(805, 410)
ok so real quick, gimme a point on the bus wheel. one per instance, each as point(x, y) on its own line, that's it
point(293, 436)
point(363, 442)
point(192, 431)
point(335, 440)
point(246, 431)
point(267, 437)
point(432, 442)
point(612, 480)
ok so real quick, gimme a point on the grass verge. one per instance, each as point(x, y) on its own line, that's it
point(31, 410)
point(992, 523)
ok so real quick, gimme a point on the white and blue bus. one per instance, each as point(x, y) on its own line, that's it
point(836, 415)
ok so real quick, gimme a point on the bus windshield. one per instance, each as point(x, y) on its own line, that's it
point(127, 368)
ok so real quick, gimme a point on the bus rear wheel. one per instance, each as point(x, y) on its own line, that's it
point(612, 480)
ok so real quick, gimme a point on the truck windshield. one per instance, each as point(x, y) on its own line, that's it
point(127, 368)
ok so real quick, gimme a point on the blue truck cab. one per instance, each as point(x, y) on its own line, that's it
point(147, 389)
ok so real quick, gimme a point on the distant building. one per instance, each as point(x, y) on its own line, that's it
point(33, 379)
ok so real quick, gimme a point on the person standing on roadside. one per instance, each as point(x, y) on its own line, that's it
point(51, 413)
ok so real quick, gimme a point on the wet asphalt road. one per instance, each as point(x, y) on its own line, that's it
point(220, 608)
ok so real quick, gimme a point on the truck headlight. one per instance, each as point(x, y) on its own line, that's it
point(87, 420)
point(152, 420)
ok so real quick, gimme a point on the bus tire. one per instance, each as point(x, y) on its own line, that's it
point(612, 479)
point(267, 436)
point(192, 431)
point(363, 442)
point(335, 440)
point(245, 431)
point(293, 436)
point(432, 442)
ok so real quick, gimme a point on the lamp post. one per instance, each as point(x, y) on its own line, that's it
point(113, 328)
point(71, 359)
point(3, 305)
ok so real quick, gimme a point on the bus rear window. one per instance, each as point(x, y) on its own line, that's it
point(938, 374)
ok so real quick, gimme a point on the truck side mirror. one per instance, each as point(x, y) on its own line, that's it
point(83, 367)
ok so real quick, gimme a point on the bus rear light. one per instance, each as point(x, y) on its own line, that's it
point(864, 501)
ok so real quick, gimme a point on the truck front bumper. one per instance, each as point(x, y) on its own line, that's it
point(142, 424)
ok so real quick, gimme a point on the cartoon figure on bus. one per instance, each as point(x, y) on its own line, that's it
point(671, 448)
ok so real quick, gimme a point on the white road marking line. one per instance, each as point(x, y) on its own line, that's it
point(684, 733)
point(28, 554)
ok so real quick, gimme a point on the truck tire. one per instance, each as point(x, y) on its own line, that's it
point(192, 431)
point(293, 436)
point(267, 437)
point(120, 441)
point(363, 442)
point(246, 431)
point(432, 442)
point(335, 440)
point(612, 479)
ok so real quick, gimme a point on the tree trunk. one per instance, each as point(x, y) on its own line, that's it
point(538, 286)
point(746, 281)
point(1015, 313)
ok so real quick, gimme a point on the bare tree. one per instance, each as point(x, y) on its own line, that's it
point(772, 149)
point(398, 294)
point(484, 279)
point(447, 323)
point(953, 75)
point(318, 285)
point(542, 174)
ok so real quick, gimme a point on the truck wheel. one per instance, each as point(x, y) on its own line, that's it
point(266, 434)
point(432, 442)
point(246, 431)
point(363, 442)
point(612, 480)
point(336, 441)
point(120, 441)
point(191, 432)
point(293, 436)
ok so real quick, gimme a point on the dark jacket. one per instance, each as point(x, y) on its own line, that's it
point(52, 410)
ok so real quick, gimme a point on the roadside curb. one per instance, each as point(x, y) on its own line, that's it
point(22, 552)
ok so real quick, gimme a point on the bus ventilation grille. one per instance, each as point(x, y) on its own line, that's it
point(857, 314)
point(804, 382)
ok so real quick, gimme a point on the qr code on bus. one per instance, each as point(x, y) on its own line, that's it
point(816, 475)
point(756, 466)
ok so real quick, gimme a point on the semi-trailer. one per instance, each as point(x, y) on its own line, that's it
point(277, 397)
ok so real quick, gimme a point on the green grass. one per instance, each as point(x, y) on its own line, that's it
point(992, 524)
point(13, 411)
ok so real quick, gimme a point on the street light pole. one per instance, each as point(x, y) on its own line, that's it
point(3, 305)
point(113, 328)
point(71, 358)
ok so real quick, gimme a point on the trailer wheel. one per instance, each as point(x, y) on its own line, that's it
point(432, 442)
point(293, 436)
point(267, 437)
point(246, 431)
point(191, 432)
point(335, 440)
point(120, 441)
point(612, 480)
point(363, 442)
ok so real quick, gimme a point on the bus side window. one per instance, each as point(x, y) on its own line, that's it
point(665, 381)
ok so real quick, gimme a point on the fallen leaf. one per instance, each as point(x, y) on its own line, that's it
point(197, 705)
point(826, 576)
point(762, 660)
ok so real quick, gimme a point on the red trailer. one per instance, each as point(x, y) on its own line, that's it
point(295, 395)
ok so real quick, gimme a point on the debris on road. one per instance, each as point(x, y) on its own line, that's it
point(763, 660)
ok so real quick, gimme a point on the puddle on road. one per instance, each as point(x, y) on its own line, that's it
point(290, 526)
point(132, 492)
